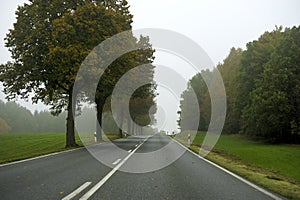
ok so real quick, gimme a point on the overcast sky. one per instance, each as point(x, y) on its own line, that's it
point(215, 25)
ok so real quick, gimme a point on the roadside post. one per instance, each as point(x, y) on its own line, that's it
point(189, 139)
point(95, 136)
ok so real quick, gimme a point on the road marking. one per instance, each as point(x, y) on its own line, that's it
point(232, 174)
point(101, 182)
point(77, 191)
point(39, 157)
point(116, 162)
point(129, 151)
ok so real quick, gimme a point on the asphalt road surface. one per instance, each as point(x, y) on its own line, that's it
point(133, 168)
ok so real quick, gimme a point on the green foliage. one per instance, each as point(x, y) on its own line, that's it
point(48, 43)
point(229, 70)
point(21, 120)
point(45, 122)
point(17, 117)
point(262, 87)
point(119, 67)
point(275, 100)
point(196, 86)
point(142, 105)
point(4, 127)
point(140, 110)
point(253, 59)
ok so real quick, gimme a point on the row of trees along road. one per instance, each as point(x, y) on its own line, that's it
point(262, 87)
point(49, 42)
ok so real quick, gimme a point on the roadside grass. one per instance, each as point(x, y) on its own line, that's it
point(275, 167)
point(18, 146)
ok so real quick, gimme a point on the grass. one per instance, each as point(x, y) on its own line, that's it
point(275, 167)
point(18, 146)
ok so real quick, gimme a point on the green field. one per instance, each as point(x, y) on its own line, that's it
point(26, 145)
point(275, 167)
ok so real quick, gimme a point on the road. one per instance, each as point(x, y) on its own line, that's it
point(140, 168)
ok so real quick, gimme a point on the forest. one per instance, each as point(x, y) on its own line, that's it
point(17, 119)
point(262, 86)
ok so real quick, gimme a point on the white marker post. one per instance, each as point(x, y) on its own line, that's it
point(95, 136)
point(189, 139)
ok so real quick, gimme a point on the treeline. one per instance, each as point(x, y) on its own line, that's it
point(262, 87)
point(19, 119)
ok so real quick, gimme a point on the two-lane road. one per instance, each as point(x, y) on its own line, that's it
point(145, 168)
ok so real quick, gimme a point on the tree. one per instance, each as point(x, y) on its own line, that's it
point(4, 127)
point(45, 122)
point(48, 43)
point(275, 107)
point(21, 120)
point(17, 117)
point(142, 110)
point(187, 114)
point(110, 77)
point(262, 88)
point(106, 85)
point(257, 54)
point(229, 70)
point(188, 105)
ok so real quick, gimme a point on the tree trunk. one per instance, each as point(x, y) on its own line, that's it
point(134, 129)
point(129, 127)
point(100, 105)
point(121, 124)
point(70, 134)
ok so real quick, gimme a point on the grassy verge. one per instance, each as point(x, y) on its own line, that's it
point(275, 167)
point(20, 146)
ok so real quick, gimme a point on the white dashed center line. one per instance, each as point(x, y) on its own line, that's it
point(77, 191)
point(116, 162)
point(101, 182)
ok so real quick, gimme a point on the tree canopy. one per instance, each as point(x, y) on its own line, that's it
point(49, 42)
point(262, 88)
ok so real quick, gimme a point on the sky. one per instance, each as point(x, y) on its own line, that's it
point(215, 25)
